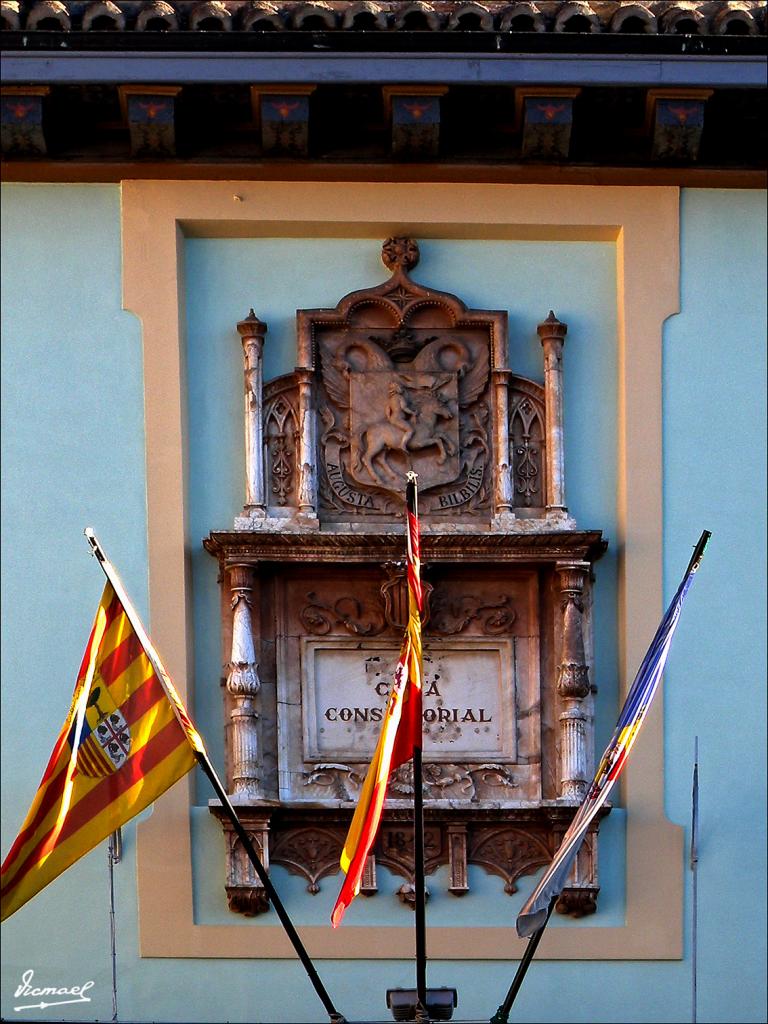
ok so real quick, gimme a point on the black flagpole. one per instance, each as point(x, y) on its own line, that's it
point(114, 856)
point(204, 762)
point(502, 1014)
point(420, 883)
point(694, 863)
point(412, 506)
point(333, 1014)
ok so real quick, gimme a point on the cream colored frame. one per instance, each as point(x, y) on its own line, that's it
point(643, 223)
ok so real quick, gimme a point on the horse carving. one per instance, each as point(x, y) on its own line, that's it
point(403, 416)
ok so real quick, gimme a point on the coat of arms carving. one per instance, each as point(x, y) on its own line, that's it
point(404, 384)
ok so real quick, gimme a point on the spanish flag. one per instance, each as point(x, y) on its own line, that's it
point(401, 731)
point(125, 740)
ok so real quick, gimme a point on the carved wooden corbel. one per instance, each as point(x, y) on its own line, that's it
point(21, 119)
point(150, 114)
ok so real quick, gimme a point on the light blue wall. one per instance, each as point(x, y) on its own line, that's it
point(73, 456)
point(714, 478)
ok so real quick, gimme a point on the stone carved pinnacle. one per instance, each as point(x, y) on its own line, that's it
point(552, 327)
point(251, 326)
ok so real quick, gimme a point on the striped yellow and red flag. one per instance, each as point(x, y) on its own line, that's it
point(125, 740)
point(401, 730)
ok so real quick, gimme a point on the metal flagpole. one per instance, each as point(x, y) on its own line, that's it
point(334, 1016)
point(412, 504)
point(695, 878)
point(114, 855)
point(420, 882)
point(502, 1014)
point(205, 763)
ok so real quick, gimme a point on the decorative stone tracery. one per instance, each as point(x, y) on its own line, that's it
point(399, 377)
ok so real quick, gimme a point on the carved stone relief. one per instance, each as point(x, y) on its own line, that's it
point(395, 594)
point(421, 412)
point(320, 619)
point(527, 446)
point(394, 378)
point(403, 383)
point(280, 430)
point(452, 616)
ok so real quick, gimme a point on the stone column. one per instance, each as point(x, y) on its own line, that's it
point(503, 490)
point(307, 452)
point(552, 334)
point(243, 685)
point(252, 332)
point(573, 683)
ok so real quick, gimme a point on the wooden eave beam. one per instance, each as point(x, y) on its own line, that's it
point(553, 69)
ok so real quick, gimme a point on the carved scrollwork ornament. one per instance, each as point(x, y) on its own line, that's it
point(497, 775)
point(340, 780)
point(437, 778)
point(319, 618)
point(454, 615)
point(401, 780)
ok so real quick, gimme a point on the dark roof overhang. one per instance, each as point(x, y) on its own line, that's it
point(320, 65)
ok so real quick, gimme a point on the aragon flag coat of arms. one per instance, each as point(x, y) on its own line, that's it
point(105, 741)
point(125, 740)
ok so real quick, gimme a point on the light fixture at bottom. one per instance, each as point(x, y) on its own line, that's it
point(403, 1002)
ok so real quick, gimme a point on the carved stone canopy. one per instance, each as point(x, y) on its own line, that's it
point(395, 378)
point(401, 377)
point(404, 383)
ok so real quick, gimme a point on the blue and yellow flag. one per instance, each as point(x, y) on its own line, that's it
point(534, 914)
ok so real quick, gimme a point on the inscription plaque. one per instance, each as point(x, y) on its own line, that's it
point(468, 699)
